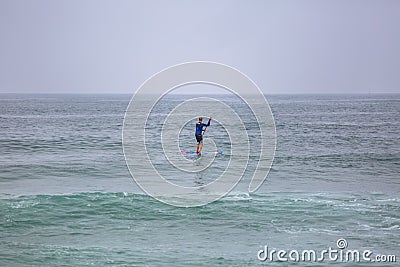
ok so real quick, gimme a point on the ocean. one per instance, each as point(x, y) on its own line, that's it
point(67, 197)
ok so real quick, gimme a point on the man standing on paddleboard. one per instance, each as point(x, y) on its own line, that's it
point(199, 133)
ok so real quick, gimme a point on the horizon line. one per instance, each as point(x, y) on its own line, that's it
point(283, 93)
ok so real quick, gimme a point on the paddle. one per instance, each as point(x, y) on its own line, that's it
point(205, 129)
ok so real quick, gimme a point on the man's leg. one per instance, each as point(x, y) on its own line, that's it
point(199, 147)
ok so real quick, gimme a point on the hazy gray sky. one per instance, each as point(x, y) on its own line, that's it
point(294, 46)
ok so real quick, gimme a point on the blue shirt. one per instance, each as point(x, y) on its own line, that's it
point(200, 126)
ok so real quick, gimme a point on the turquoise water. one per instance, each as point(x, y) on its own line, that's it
point(67, 198)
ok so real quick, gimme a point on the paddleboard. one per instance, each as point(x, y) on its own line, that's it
point(202, 153)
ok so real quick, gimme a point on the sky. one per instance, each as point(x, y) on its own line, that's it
point(285, 47)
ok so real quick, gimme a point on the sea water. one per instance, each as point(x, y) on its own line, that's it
point(68, 199)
